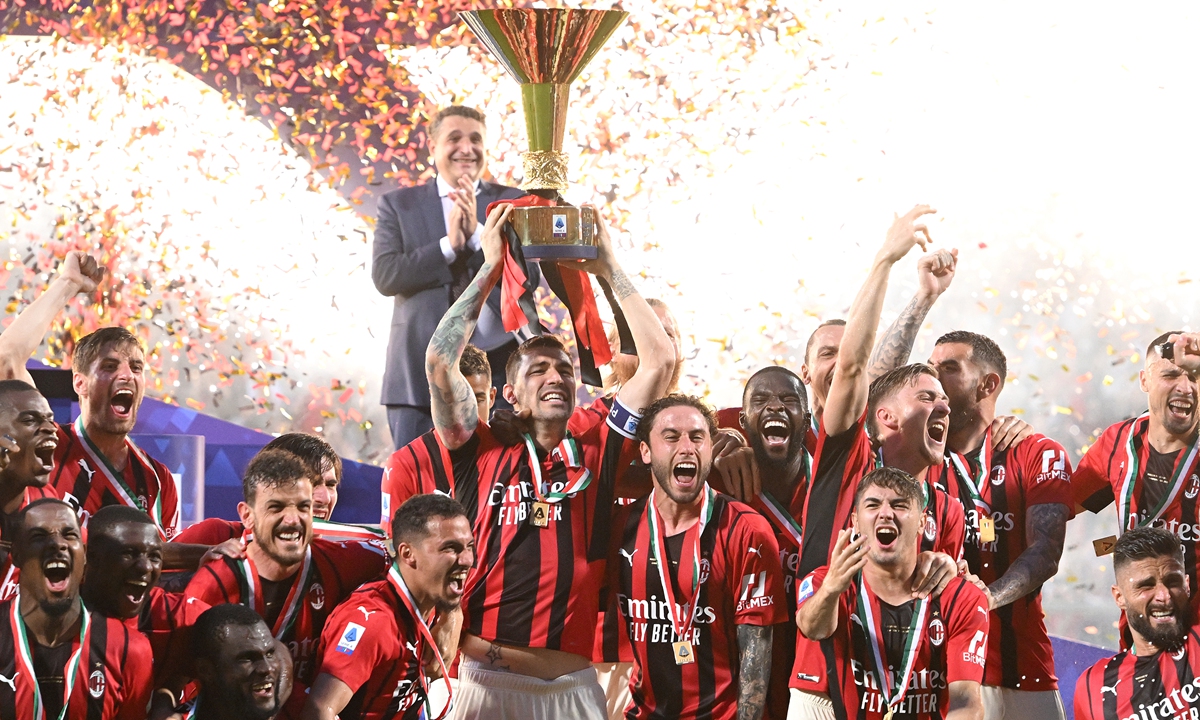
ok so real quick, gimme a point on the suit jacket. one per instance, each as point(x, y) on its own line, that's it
point(407, 264)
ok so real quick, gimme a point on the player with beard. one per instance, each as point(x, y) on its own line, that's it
point(775, 420)
point(1159, 676)
point(891, 652)
point(531, 608)
point(242, 671)
point(1150, 465)
point(58, 658)
point(381, 650)
point(28, 442)
point(1017, 503)
point(697, 578)
point(291, 579)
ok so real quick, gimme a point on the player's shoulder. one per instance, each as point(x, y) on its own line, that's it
point(347, 550)
point(738, 516)
point(120, 635)
point(372, 606)
point(962, 596)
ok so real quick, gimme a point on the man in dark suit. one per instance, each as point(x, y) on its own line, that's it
point(426, 251)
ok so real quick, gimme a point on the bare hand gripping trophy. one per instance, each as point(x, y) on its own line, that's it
point(544, 51)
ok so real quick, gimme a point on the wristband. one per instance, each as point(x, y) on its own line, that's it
point(623, 420)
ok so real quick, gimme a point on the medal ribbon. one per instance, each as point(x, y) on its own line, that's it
point(781, 515)
point(25, 659)
point(1132, 466)
point(397, 581)
point(116, 479)
point(974, 486)
point(658, 548)
point(912, 643)
point(568, 452)
point(248, 576)
point(339, 531)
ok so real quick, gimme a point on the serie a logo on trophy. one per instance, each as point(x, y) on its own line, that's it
point(544, 51)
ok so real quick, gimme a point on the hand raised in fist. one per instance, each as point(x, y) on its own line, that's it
point(83, 270)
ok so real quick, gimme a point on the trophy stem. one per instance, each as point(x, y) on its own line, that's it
point(545, 106)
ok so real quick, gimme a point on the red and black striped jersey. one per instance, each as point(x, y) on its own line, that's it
point(839, 465)
point(10, 574)
point(1128, 687)
point(82, 478)
point(1150, 488)
point(740, 584)
point(1036, 471)
point(113, 681)
point(166, 620)
point(329, 574)
point(952, 643)
point(370, 643)
point(425, 466)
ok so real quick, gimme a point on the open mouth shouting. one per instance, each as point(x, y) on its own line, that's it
point(686, 474)
point(886, 536)
point(134, 592)
point(57, 571)
point(776, 434)
point(43, 452)
point(1181, 408)
point(456, 583)
point(936, 430)
point(121, 403)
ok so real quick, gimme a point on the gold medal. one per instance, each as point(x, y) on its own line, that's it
point(987, 529)
point(888, 715)
point(683, 653)
point(539, 515)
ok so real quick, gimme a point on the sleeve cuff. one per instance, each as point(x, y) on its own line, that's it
point(476, 240)
point(447, 251)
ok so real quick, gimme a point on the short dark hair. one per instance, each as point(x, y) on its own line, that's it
point(209, 628)
point(836, 322)
point(106, 519)
point(887, 385)
point(18, 539)
point(984, 351)
point(474, 362)
point(533, 344)
point(272, 468)
point(893, 479)
point(1152, 348)
point(777, 370)
point(650, 414)
point(435, 123)
point(1144, 543)
point(15, 386)
point(411, 521)
point(89, 347)
point(312, 450)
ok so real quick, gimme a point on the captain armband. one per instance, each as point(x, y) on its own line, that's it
point(623, 420)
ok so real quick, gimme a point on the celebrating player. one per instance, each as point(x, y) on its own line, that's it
point(888, 650)
point(242, 671)
point(291, 579)
point(531, 606)
point(58, 658)
point(698, 579)
point(1017, 502)
point(1157, 676)
point(28, 437)
point(372, 664)
point(1150, 465)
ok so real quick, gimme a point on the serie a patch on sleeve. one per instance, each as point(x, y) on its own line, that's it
point(350, 637)
point(805, 591)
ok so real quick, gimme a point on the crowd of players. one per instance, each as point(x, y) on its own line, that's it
point(863, 539)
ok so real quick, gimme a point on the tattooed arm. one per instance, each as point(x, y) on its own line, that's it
point(1045, 530)
point(656, 353)
point(455, 412)
point(935, 272)
point(754, 648)
point(965, 701)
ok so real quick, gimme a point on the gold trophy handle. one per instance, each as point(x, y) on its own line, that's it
point(587, 226)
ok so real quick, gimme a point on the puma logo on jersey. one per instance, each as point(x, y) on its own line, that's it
point(628, 555)
point(1112, 689)
point(410, 647)
point(806, 676)
point(982, 610)
point(90, 472)
point(366, 613)
point(12, 681)
point(754, 551)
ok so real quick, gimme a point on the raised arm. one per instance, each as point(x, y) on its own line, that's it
point(754, 664)
point(817, 617)
point(78, 273)
point(656, 354)
point(848, 392)
point(455, 412)
point(1046, 530)
point(935, 271)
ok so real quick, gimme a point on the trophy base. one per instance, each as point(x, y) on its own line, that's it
point(562, 232)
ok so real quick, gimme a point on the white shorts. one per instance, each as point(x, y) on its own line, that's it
point(1007, 704)
point(809, 706)
point(491, 695)
point(614, 681)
